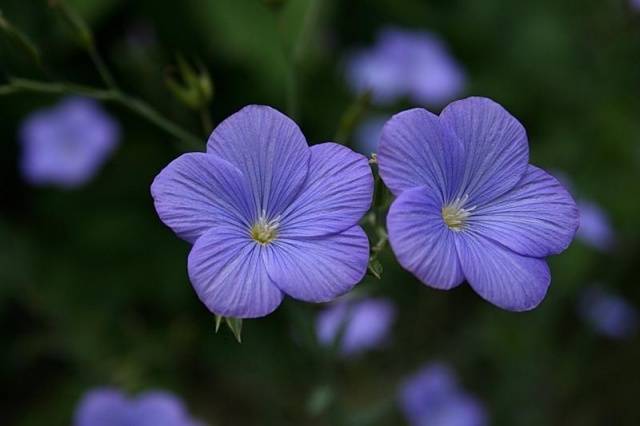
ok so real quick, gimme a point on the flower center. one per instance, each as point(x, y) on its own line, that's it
point(455, 215)
point(265, 230)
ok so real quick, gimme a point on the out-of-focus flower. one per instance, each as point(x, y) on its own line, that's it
point(416, 64)
point(432, 397)
point(470, 206)
point(67, 144)
point(595, 227)
point(608, 314)
point(368, 134)
point(635, 4)
point(362, 325)
point(111, 407)
point(268, 215)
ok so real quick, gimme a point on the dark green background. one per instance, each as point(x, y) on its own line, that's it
point(93, 288)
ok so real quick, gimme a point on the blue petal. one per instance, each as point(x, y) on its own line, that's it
point(536, 218)
point(336, 194)
point(198, 191)
point(319, 269)
point(228, 272)
point(421, 241)
point(501, 276)
point(157, 408)
point(495, 145)
point(102, 407)
point(270, 151)
point(417, 150)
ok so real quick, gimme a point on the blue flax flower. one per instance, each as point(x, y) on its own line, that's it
point(267, 214)
point(470, 206)
point(433, 397)
point(66, 145)
point(110, 407)
point(608, 314)
point(406, 63)
point(363, 325)
point(595, 227)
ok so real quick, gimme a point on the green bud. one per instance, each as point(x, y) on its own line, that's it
point(193, 87)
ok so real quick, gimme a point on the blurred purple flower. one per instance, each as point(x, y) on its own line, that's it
point(110, 407)
point(66, 145)
point(267, 214)
point(595, 228)
point(368, 134)
point(608, 314)
point(409, 63)
point(470, 206)
point(364, 325)
point(635, 4)
point(432, 397)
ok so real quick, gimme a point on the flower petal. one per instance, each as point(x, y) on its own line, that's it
point(536, 218)
point(269, 149)
point(319, 269)
point(198, 191)
point(495, 145)
point(417, 150)
point(421, 241)
point(336, 194)
point(228, 272)
point(102, 407)
point(500, 276)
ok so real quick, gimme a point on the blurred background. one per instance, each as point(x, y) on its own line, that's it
point(94, 290)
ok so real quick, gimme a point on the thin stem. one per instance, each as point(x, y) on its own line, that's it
point(295, 57)
point(101, 66)
point(135, 105)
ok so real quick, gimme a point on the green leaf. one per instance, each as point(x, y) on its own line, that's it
point(235, 325)
point(375, 268)
point(218, 322)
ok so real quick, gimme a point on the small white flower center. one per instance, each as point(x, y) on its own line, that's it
point(265, 230)
point(455, 215)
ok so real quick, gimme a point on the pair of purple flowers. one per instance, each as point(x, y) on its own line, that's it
point(269, 216)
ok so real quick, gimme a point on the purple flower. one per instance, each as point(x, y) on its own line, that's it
point(368, 134)
point(416, 64)
point(66, 145)
point(268, 215)
point(362, 325)
point(110, 407)
point(608, 314)
point(432, 397)
point(595, 228)
point(470, 206)
point(635, 4)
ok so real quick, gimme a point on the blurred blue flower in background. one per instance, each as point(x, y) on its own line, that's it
point(432, 397)
point(367, 134)
point(595, 227)
point(67, 144)
point(361, 325)
point(608, 314)
point(470, 206)
point(267, 214)
point(406, 63)
point(111, 407)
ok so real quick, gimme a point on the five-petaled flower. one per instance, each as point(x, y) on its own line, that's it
point(470, 206)
point(267, 214)
point(111, 407)
point(66, 145)
point(433, 397)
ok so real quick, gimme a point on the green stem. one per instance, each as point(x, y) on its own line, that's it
point(135, 105)
point(104, 72)
point(296, 55)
